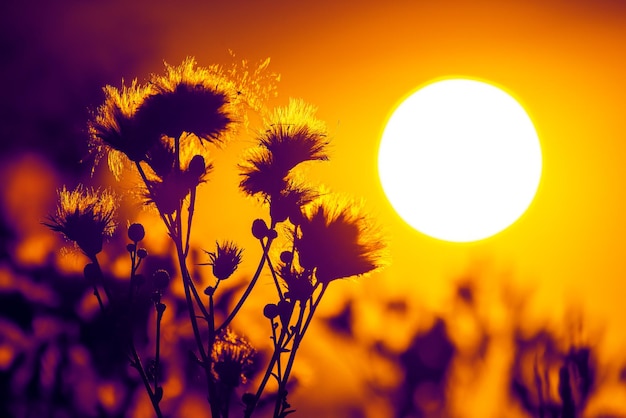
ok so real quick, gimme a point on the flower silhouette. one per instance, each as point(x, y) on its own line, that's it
point(114, 129)
point(188, 99)
point(224, 260)
point(293, 135)
point(85, 217)
point(338, 241)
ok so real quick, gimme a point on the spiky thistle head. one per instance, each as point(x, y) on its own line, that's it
point(114, 129)
point(292, 136)
point(225, 259)
point(189, 99)
point(85, 217)
point(338, 240)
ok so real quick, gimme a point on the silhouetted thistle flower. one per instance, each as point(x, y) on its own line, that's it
point(299, 284)
point(233, 359)
point(288, 203)
point(338, 241)
point(224, 260)
point(188, 99)
point(191, 157)
point(167, 185)
point(292, 136)
point(84, 216)
point(114, 129)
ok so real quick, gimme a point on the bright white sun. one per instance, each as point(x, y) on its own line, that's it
point(460, 160)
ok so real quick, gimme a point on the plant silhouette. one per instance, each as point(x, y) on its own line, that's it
point(162, 131)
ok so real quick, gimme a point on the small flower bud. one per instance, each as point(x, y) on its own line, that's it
point(142, 253)
point(270, 311)
point(131, 248)
point(259, 229)
point(225, 260)
point(209, 291)
point(160, 308)
point(161, 279)
point(272, 234)
point(136, 232)
point(286, 256)
point(91, 272)
point(284, 308)
point(197, 166)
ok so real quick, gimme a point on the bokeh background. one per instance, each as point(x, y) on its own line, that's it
point(439, 330)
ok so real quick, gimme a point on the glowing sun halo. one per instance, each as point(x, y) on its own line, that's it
point(460, 160)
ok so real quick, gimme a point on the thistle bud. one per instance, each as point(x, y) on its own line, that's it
point(259, 229)
point(286, 256)
point(91, 272)
point(225, 260)
point(270, 311)
point(136, 232)
point(197, 166)
point(285, 309)
point(142, 253)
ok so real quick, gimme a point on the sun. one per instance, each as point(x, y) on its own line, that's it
point(460, 160)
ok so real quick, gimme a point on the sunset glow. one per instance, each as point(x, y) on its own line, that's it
point(459, 160)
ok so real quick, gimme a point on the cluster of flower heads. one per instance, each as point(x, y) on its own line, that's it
point(332, 238)
point(162, 128)
point(85, 216)
point(190, 103)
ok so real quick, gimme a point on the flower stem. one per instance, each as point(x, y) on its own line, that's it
point(142, 173)
point(157, 349)
point(271, 267)
point(278, 348)
point(299, 331)
point(282, 385)
point(144, 377)
point(248, 290)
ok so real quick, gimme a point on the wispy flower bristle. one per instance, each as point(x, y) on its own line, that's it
point(292, 136)
point(85, 217)
point(114, 130)
point(338, 240)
